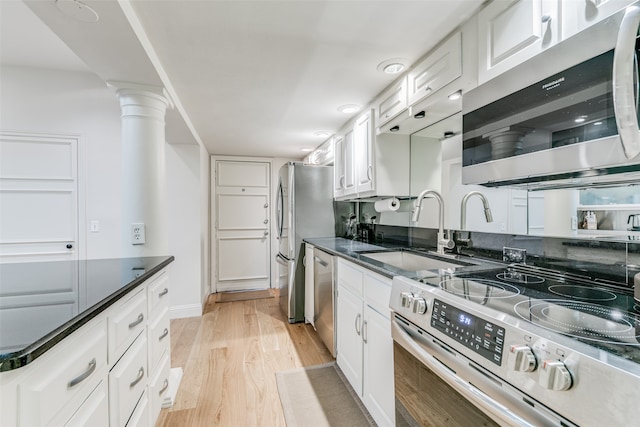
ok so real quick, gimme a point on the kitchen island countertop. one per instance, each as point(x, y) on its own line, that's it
point(41, 303)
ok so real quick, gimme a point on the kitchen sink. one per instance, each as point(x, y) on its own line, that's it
point(410, 261)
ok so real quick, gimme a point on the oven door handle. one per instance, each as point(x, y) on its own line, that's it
point(471, 393)
point(624, 96)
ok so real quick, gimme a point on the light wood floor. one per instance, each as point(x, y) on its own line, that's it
point(230, 356)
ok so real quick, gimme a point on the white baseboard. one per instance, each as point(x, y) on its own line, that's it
point(181, 311)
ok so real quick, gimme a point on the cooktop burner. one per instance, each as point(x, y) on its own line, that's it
point(478, 288)
point(582, 292)
point(582, 320)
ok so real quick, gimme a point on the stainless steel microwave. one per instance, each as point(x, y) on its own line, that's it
point(567, 117)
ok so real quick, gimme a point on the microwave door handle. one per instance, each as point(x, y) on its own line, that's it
point(624, 99)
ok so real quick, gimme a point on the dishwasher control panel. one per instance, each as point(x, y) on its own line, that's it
point(479, 335)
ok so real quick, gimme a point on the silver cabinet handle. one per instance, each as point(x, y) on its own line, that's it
point(266, 232)
point(266, 221)
point(320, 261)
point(164, 388)
point(369, 174)
point(136, 322)
point(623, 96)
point(358, 323)
point(163, 293)
point(364, 332)
point(83, 376)
point(266, 205)
point(164, 334)
point(342, 182)
point(139, 378)
point(427, 89)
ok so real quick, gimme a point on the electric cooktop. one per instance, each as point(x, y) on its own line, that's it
point(599, 315)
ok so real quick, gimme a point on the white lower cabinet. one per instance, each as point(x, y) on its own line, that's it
point(112, 371)
point(365, 346)
point(94, 411)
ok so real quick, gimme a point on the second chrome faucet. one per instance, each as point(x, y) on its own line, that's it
point(443, 241)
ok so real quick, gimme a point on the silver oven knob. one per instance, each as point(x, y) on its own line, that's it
point(405, 299)
point(554, 375)
point(419, 305)
point(523, 359)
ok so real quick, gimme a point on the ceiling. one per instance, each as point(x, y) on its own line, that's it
point(249, 78)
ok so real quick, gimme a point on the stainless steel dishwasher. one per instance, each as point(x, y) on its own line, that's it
point(323, 301)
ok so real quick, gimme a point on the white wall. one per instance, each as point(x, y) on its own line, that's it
point(51, 101)
point(183, 195)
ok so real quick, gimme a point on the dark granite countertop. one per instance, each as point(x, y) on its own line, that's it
point(41, 303)
point(356, 252)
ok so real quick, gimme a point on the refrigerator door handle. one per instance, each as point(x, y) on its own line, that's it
point(282, 260)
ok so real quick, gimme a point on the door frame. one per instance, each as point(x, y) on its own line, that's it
point(81, 181)
point(213, 247)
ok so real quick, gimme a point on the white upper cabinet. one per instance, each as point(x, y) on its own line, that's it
point(344, 172)
point(438, 69)
point(392, 102)
point(363, 136)
point(578, 15)
point(512, 31)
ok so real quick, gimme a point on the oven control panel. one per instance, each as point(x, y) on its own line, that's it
point(475, 333)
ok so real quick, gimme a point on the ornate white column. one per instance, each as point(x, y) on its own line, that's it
point(144, 182)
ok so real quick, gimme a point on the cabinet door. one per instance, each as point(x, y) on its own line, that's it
point(363, 135)
point(349, 329)
point(438, 69)
point(512, 31)
point(578, 15)
point(94, 411)
point(378, 385)
point(349, 164)
point(338, 168)
point(391, 102)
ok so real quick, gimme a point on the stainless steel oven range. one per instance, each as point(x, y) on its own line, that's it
point(517, 345)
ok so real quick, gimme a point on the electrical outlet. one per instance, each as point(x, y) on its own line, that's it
point(574, 222)
point(137, 233)
point(95, 226)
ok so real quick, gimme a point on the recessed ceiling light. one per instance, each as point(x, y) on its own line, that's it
point(306, 150)
point(597, 124)
point(322, 133)
point(580, 119)
point(455, 95)
point(349, 108)
point(77, 10)
point(393, 65)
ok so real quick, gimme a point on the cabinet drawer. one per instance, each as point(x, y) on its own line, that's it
point(65, 376)
point(140, 416)
point(125, 324)
point(159, 339)
point(440, 68)
point(377, 291)
point(127, 381)
point(159, 386)
point(158, 291)
point(94, 411)
point(350, 276)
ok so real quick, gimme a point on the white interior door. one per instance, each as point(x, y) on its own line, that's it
point(242, 256)
point(38, 197)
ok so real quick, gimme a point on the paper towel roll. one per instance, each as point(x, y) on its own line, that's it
point(387, 205)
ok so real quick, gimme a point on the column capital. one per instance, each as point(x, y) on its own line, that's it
point(153, 93)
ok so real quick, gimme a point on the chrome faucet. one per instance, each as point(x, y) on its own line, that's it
point(443, 242)
point(463, 208)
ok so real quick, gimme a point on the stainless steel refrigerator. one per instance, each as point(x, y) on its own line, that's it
point(304, 208)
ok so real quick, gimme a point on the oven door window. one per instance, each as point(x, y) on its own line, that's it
point(423, 399)
point(570, 107)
